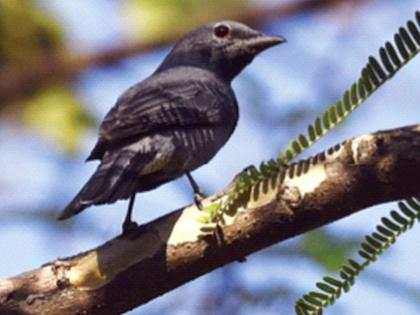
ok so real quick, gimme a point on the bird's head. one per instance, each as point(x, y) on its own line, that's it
point(224, 47)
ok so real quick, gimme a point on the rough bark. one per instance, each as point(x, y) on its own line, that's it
point(131, 270)
point(18, 83)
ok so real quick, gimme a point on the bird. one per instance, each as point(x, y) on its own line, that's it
point(174, 121)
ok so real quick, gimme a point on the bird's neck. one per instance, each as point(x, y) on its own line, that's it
point(226, 70)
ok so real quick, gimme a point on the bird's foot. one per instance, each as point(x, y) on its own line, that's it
point(220, 240)
point(241, 260)
point(128, 227)
point(198, 199)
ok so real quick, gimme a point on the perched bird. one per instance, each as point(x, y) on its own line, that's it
point(175, 120)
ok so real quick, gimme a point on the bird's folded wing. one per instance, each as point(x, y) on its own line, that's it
point(144, 110)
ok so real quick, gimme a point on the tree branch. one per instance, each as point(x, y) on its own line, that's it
point(129, 271)
point(18, 83)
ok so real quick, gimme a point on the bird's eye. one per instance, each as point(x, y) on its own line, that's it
point(221, 30)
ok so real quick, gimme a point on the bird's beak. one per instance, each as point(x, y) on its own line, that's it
point(262, 41)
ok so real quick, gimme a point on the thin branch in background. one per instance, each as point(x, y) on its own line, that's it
point(18, 83)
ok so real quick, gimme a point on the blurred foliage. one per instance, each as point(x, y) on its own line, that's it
point(57, 114)
point(156, 20)
point(30, 38)
point(326, 249)
point(322, 246)
point(27, 34)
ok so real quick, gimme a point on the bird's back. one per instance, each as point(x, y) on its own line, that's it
point(180, 97)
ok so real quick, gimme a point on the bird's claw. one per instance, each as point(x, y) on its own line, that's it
point(241, 260)
point(128, 227)
point(198, 199)
point(220, 241)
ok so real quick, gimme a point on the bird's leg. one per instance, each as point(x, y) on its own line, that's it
point(198, 194)
point(128, 224)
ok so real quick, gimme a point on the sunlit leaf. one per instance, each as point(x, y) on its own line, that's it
point(56, 113)
point(27, 33)
point(155, 20)
point(326, 249)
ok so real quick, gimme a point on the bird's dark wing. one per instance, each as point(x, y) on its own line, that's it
point(147, 108)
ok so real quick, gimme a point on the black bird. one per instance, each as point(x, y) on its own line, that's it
point(174, 121)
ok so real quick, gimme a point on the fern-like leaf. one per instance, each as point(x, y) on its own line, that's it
point(374, 74)
point(330, 289)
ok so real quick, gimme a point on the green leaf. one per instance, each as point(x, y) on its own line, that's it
point(398, 218)
point(362, 88)
point(339, 108)
point(383, 230)
point(377, 68)
point(393, 54)
point(354, 98)
point(386, 61)
point(318, 127)
point(326, 288)
point(326, 119)
point(319, 295)
point(372, 75)
point(296, 147)
point(407, 40)
point(348, 271)
point(413, 31)
point(401, 47)
point(305, 306)
point(366, 79)
point(355, 264)
point(311, 133)
point(212, 208)
point(391, 225)
point(58, 115)
point(379, 237)
point(333, 114)
point(312, 300)
point(204, 219)
point(365, 255)
point(333, 281)
point(413, 204)
point(368, 248)
point(373, 242)
point(406, 210)
point(303, 141)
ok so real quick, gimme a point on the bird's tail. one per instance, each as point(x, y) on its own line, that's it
point(115, 178)
point(90, 194)
point(74, 207)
